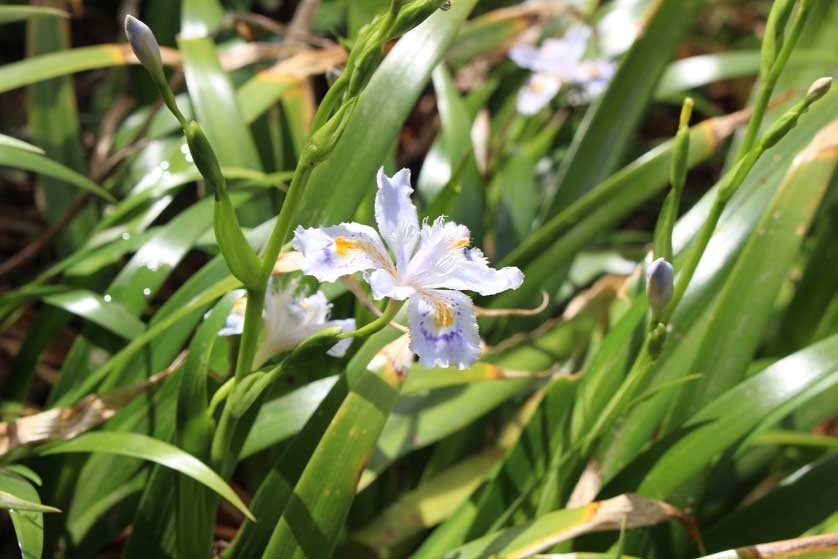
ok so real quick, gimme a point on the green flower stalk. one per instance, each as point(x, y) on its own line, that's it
point(678, 176)
point(776, 50)
point(243, 262)
point(733, 179)
point(660, 273)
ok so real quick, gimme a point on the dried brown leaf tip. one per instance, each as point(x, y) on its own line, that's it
point(823, 146)
point(66, 423)
point(813, 546)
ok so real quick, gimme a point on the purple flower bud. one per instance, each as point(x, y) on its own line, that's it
point(144, 45)
point(659, 285)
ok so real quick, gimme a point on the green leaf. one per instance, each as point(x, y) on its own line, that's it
point(546, 531)
point(775, 391)
point(697, 71)
point(9, 14)
point(451, 151)
point(126, 354)
point(140, 279)
point(8, 141)
point(519, 196)
point(215, 104)
point(766, 260)
point(28, 522)
point(421, 419)
point(92, 307)
point(692, 315)
point(195, 511)
point(527, 461)
point(277, 487)
point(793, 438)
point(52, 65)
point(546, 253)
point(31, 161)
point(800, 502)
point(135, 445)
point(283, 417)
point(312, 519)
point(10, 501)
point(439, 495)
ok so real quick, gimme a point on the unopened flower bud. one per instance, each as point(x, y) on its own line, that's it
point(818, 89)
point(787, 121)
point(659, 285)
point(145, 46)
point(147, 50)
point(772, 41)
point(415, 12)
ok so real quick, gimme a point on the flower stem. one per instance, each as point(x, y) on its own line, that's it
point(382, 321)
point(279, 235)
point(634, 379)
point(767, 87)
point(250, 333)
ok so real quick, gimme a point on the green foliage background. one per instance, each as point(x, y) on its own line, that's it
point(565, 436)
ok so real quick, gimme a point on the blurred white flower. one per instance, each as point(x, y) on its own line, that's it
point(289, 318)
point(558, 62)
point(433, 263)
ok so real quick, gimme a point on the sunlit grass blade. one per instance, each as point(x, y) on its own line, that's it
point(555, 527)
point(27, 513)
point(805, 499)
point(312, 519)
point(440, 495)
point(776, 391)
point(772, 249)
point(136, 445)
point(10, 14)
point(736, 225)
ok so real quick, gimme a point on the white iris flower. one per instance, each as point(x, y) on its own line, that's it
point(289, 318)
point(430, 265)
point(556, 63)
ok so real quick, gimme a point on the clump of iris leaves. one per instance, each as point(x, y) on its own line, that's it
point(421, 278)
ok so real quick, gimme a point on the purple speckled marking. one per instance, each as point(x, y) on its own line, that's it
point(327, 256)
point(467, 254)
point(437, 338)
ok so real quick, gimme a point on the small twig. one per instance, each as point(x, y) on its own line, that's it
point(303, 17)
point(545, 299)
point(272, 26)
point(29, 251)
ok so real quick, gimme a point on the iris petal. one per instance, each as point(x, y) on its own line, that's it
point(332, 252)
point(340, 348)
point(445, 260)
point(473, 273)
point(234, 324)
point(383, 285)
point(396, 214)
point(443, 329)
point(538, 92)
